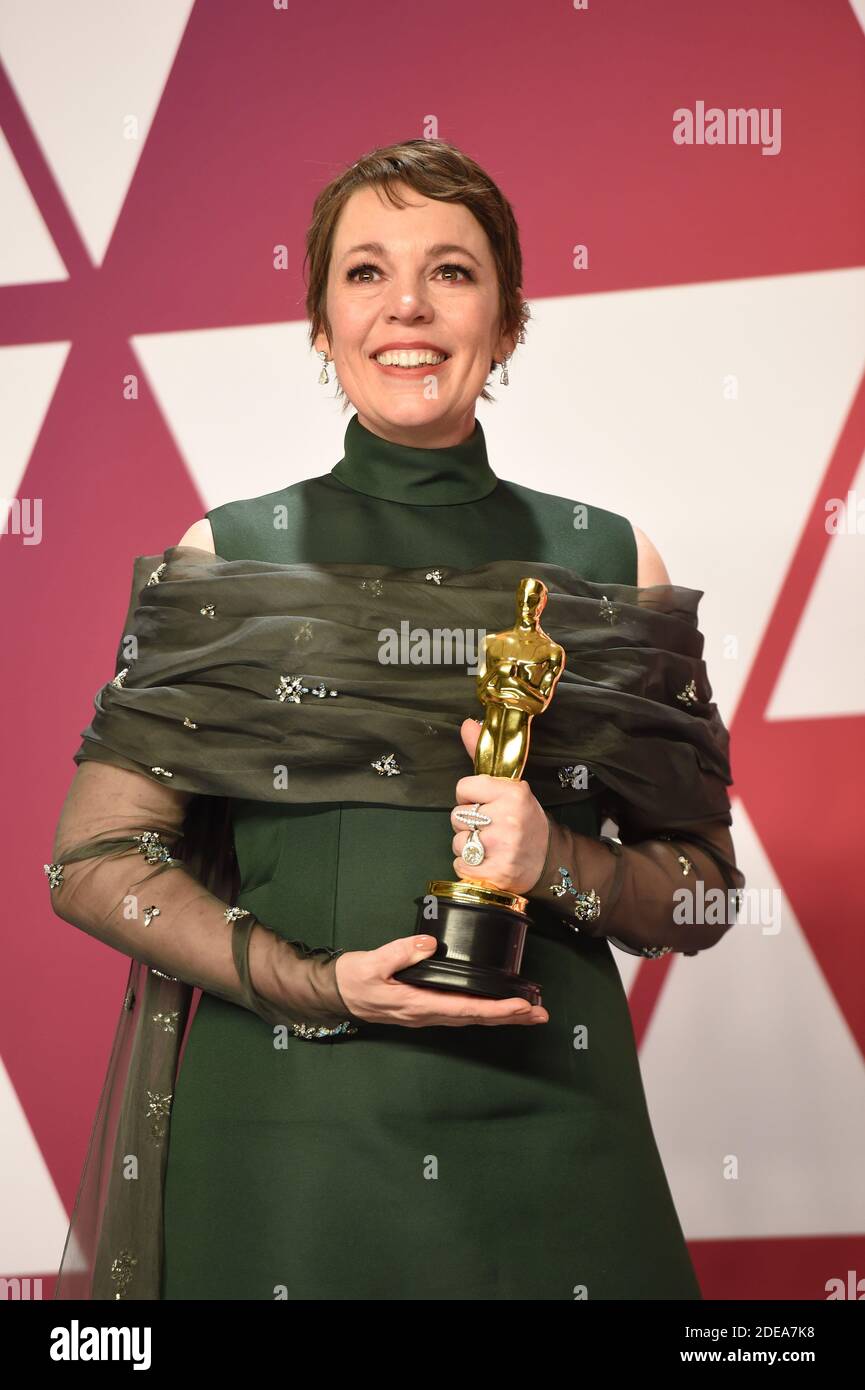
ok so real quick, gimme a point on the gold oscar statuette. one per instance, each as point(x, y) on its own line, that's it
point(481, 928)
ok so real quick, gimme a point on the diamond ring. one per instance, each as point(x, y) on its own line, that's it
point(473, 850)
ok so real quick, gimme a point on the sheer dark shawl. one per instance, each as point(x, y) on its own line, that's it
point(223, 689)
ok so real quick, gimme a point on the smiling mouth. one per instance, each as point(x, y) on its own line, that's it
point(408, 360)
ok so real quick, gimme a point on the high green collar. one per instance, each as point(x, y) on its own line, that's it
point(420, 477)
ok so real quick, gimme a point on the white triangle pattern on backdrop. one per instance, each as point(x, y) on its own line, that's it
point(90, 77)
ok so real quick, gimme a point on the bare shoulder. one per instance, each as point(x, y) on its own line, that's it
point(200, 534)
point(650, 567)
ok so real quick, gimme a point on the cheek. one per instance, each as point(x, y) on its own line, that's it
point(352, 324)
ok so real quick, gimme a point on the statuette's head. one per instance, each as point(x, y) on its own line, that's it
point(531, 599)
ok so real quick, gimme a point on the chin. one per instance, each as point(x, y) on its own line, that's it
point(405, 408)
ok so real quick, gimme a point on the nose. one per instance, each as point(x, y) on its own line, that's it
point(408, 299)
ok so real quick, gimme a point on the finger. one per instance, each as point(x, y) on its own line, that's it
point(474, 1008)
point(461, 839)
point(537, 1014)
point(445, 1003)
point(518, 1018)
point(479, 786)
point(459, 1011)
point(404, 951)
point(461, 825)
point(486, 874)
point(470, 732)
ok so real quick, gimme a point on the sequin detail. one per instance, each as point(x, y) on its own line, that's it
point(587, 906)
point(608, 611)
point(168, 1020)
point(376, 586)
point(232, 914)
point(387, 765)
point(686, 863)
point(155, 851)
point(120, 678)
point(187, 723)
point(150, 913)
point(208, 611)
point(157, 574)
point(129, 999)
point(158, 1108)
point(161, 974)
point(162, 772)
point(573, 775)
point(688, 696)
point(292, 687)
point(121, 1272)
point(312, 1031)
point(436, 576)
point(54, 873)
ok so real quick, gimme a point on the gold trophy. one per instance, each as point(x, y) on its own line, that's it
point(481, 929)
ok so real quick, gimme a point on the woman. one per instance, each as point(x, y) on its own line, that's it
point(407, 1142)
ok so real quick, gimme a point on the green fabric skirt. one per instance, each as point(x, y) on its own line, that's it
point(437, 1163)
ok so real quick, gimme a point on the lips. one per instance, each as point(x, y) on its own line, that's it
point(418, 371)
point(410, 347)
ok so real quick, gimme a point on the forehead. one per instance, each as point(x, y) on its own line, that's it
point(369, 215)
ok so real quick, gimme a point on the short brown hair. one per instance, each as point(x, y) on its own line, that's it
point(435, 169)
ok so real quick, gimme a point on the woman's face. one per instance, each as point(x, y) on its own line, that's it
point(419, 275)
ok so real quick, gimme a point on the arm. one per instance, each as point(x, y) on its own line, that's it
point(200, 534)
point(631, 890)
point(116, 859)
point(650, 567)
point(116, 877)
point(646, 894)
point(107, 882)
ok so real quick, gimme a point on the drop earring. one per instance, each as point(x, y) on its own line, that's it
point(323, 377)
point(504, 373)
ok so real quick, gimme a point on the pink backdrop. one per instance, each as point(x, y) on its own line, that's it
point(702, 374)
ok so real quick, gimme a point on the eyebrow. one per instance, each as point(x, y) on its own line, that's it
point(441, 248)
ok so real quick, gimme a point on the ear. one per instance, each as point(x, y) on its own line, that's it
point(504, 347)
point(321, 343)
point(508, 341)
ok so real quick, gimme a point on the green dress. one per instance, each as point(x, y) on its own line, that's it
point(434, 1163)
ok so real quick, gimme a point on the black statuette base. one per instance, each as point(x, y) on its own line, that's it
point(480, 951)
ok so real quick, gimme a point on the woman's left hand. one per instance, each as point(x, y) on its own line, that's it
point(515, 843)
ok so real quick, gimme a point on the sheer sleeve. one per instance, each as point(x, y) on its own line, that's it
point(649, 891)
point(118, 875)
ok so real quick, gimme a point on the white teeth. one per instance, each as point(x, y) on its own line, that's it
point(402, 358)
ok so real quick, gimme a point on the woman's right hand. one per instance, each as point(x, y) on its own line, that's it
point(365, 981)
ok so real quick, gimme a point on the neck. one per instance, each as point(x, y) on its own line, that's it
point(437, 434)
point(415, 474)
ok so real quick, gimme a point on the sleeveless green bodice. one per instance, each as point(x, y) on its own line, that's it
point(467, 1163)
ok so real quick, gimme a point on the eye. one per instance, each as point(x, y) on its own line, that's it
point(461, 269)
point(367, 265)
